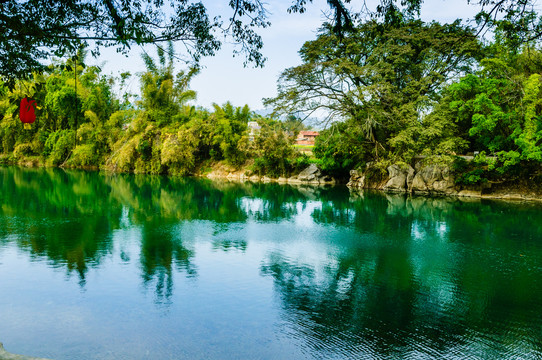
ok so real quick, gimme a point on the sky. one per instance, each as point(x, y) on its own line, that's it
point(223, 77)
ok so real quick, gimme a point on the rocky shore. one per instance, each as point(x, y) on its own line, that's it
point(311, 175)
point(437, 180)
point(421, 179)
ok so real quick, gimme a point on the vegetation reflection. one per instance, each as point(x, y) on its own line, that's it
point(57, 215)
point(398, 275)
point(70, 217)
point(418, 279)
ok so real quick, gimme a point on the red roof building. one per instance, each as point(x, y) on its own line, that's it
point(306, 137)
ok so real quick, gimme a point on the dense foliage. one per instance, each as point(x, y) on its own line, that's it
point(381, 78)
point(81, 122)
point(31, 31)
point(393, 89)
point(389, 87)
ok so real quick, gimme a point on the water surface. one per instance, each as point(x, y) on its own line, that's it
point(96, 266)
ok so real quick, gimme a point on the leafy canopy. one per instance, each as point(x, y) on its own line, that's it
point(381, 78)
point(34, 30)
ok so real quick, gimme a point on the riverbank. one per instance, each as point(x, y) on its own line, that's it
point(424, 178)
point(421, 179)
point(311, 175)
point(442, 179)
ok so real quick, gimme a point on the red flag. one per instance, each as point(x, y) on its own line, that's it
point(27, 112)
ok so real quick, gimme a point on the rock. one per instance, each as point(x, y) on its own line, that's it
point(4, 355)
point(282, 180)
point(410, 178)
point(357, 182)
point(418, 183)
point(513, 196)
point(266, 179)
point(294, 180)
point(232, 176)
point(310, 173)
point(254, 178)
point(399, 178)
point(470, 193)
point(433, 179)
point(436, 179)
point(327, 180)
point(355, 174)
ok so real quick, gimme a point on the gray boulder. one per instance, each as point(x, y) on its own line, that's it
point(433, 179)
point(310, 173)
point(357, 179)
point(400, 178)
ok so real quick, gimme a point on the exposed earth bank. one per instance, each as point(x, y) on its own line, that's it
point(440, 180)
point(420, 179)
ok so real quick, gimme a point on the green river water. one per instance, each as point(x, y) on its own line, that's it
point(101, 266)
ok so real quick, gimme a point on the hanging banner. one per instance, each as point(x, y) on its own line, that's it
point(27, 112)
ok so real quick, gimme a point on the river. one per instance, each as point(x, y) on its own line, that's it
point(118, 266)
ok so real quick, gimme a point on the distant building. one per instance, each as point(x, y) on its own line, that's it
point(306, 137)
point(253, 130)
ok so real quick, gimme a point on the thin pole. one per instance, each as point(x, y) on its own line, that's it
point(76, 110)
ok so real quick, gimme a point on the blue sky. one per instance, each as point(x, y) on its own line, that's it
point(223, 77)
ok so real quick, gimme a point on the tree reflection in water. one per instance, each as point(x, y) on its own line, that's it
point(70, 216)
point(397, 276)
point(418, 280)
point(64, 220)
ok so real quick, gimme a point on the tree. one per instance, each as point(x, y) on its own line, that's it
point(382, 78)
point(497, 109)
point(33, 30)
point(161, 95)
point(518, 20)
point(340, 148)
point(272, 149)
point(227, 127)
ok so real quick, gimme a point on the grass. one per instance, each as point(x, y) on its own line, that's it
point(308, 147)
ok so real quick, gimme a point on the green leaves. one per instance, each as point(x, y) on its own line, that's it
point(340, 149)
point(499, 109)
point(381, 78)
point(272, 149)
point(33, 30)
point(163, 96)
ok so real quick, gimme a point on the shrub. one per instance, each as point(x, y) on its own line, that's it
point(50, 142)
point(476, 176)
point(84, 155)
point(60, 149)
point(125, 155)
point(22, 150)
point(178, 152)
point(274, 152)
point(338, 150)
